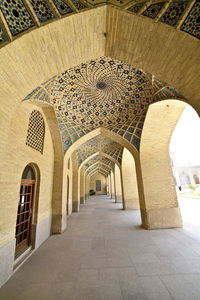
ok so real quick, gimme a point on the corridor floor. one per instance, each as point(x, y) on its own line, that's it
point(105, 255)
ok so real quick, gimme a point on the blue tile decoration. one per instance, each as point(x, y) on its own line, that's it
point(174, 12)
point(16, 15)
point(136, 7)
point(3, 36)
point(43, 10)
point(98, 167)
point(168, 92)
point(63, 7)
point(191, 24)
point(39, 93)
point(153, 10)
point(103, 110)
point(102, 93)
point(78, 4)
point(100, 144)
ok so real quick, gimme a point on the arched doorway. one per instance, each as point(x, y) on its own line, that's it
point(25, 210)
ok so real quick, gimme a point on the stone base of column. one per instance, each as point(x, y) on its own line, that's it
point(82, 200)
point(75, 206)
point(131, 204)
point(7, 254)
point(59, 223)
point(161, 218)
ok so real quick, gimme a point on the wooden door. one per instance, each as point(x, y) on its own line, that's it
point(24, 215)
point(98, 185)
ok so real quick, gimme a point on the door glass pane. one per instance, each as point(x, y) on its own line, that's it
point(23, 221)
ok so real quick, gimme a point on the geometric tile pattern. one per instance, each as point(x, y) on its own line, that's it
point(119, 3)
point(136, 7)
point(19, 19)
point(191, 24)
point(99, 158)
point(99, 170)
point(173, 13)
point(16, 15)
point(153, 10)
point(36, 131)
point(99, 144)
point(102, 93)
point(62, 7)
point(3, 35)
point(40, 94)
point(43, 10)
point(78, 4)
point(98, 166)
point(167, 93)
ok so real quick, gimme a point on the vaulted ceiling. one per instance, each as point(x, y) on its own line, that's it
point(102, 93)
point(99, 144)
point(21, 16)
point(99, 158)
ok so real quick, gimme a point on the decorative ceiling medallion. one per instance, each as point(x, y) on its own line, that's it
point(102, 93)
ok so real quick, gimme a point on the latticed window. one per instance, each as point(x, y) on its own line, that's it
point(36, 131)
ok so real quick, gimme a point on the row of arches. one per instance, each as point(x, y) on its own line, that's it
point(54, 185)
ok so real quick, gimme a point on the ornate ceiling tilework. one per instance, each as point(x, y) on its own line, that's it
point(102, 93)
point(104, 173)
point(136, 7)
point(39, 94)
point(157, 83)
point(99, 158)
point(42, 92)
point(168, 93)
point(174, 12)
point(98, 167)
point(19, 19)
point(16, 15)
point(191, 24)
point(43, 10)
point(96, 2)
point(78, 4)
point(99, 144)
point(3, 35)
point(153, 10)
point(62, 7)
point(118, 3)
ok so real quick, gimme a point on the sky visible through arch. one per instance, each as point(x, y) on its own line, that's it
point(185, 142)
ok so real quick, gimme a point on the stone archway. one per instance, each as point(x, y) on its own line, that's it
point(161, 206)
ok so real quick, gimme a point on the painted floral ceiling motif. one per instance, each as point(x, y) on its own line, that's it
point(99, 144)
